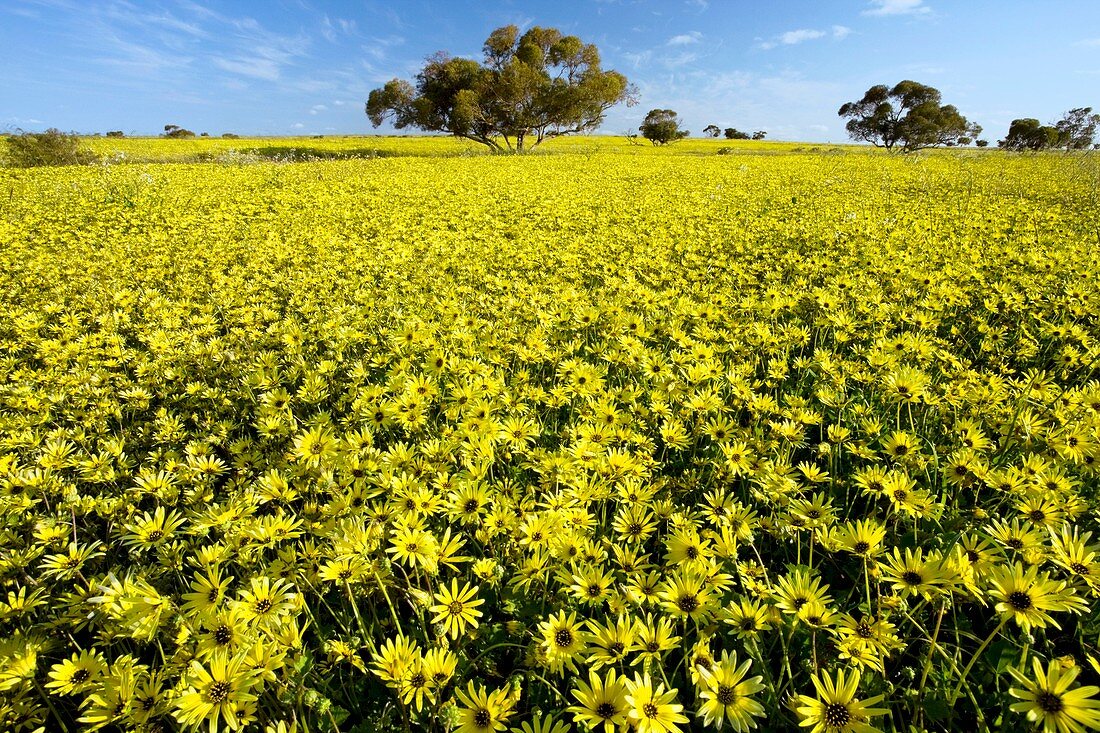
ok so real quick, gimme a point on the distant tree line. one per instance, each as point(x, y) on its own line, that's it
point(1075, 131)
point(732, 133)
point(543, 84)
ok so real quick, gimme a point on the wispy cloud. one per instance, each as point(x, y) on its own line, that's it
point(333, 28)
point(791, 38)
point(379, 48)
point(257, 52)
point(897, 7)
point(638, 59)
point(801, 35)
point(685, 39)
point(255, 68)
point(1094, 42)
point(679, 60)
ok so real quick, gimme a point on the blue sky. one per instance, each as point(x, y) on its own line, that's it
point(279, 67)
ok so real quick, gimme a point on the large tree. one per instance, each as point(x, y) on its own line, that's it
point(529, 89)
point(1028, 134)
point(662, 126)
point(1077, 128)
point(909, 116)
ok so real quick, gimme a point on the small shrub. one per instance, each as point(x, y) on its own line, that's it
point(726, 151)
point(230, 135)
point(116, 133)
point(52, 147)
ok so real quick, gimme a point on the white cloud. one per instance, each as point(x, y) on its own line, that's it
point(791, 38)
point(897, 7)
point(801, 35)
point(1088, 42)
point(339, 103)
point(638, 60)
point(317, 109)
point(297, 126)
point(257, 68)
point(700, 4)
point(331, 28)
point(681, 59)
point(685, 39)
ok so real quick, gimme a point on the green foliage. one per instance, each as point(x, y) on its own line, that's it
point(732, 133)
point(662, 126)
point(1077, 128)
point(1028, 134)
point(175, 131)
point(116, 133)
point(536, 87)
point(52, 147)
point(909, 116)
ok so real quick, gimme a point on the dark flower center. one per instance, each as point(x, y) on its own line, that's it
point(836, 715)
point(482, 718)
point(564, 637)
point(687, 603)
point(726, 695)
point(218, 692)
point(1049, 702)
point(911, 577)
point(223, 635)
point(1019, 600)
point(861, 547)
point(605, 710)
point(649, 710)
point(81, 675)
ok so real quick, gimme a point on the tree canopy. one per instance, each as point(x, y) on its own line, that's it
point(1028, 134)
point(1075, 131)
point(1077, 128)
point(909, 115)
point(662, 126)
point(529, 89)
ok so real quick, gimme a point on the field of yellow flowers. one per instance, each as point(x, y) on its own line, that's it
point(607, 439)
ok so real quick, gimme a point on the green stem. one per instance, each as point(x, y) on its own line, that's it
point(931, 649)
point(974, 659)
point(49, 703)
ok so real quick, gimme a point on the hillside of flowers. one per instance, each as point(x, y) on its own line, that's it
point(594, 440)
